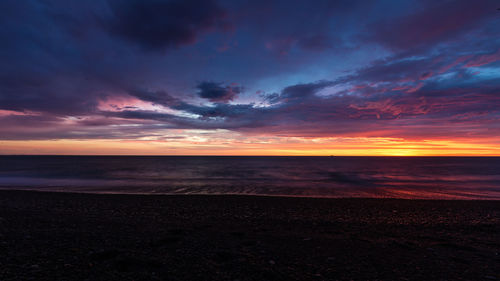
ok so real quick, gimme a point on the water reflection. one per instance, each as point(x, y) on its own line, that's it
point(398, 177)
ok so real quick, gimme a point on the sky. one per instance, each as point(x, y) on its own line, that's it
point(182, 77)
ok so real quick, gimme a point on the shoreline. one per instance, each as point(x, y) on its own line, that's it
point(15, 189)
point(82, 236)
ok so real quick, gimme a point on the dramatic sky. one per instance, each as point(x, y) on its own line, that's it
point(250, 77)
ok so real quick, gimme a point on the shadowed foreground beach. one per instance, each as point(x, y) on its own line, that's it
point(64, 236)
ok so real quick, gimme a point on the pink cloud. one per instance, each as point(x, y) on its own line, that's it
point(119, 103)
point(16, 113)
point(458, 61)
point(415, 88)
point(484, 59)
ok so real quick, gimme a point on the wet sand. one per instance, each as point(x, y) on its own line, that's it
point(65, 236)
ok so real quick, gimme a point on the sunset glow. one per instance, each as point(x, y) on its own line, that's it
point(256, 146)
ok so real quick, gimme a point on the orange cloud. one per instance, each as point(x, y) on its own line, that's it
point(257, 145)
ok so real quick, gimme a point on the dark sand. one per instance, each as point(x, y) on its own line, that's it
point(62, 236)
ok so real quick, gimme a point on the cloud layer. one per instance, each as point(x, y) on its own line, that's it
point(147, 69)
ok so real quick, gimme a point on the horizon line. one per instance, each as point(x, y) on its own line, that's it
point(213, 155)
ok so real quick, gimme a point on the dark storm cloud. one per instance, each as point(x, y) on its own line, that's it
point(161, 24)
point(217, 92)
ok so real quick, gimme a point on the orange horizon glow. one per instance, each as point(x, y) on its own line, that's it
point(257, 146)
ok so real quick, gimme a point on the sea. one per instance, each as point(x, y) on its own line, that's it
point(372, 177)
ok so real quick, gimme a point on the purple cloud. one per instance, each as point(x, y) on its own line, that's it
point(433, 22)
point(158, 25)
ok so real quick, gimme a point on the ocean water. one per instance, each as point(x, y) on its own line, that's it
point(394, 177)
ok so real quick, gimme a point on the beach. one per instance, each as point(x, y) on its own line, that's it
point(71, 236)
